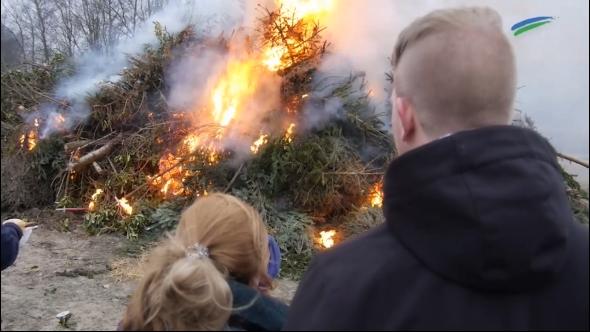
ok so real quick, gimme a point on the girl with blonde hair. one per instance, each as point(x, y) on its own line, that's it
point(211, 275)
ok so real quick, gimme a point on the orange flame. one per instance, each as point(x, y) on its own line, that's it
point(277, 57)
point(327, 238)
point(204, 193)
point(289, 133)
point(232, 90)
point(191, 142)
point(230, 96)
point(306, 9)
point(271, 57)
point(93, 199)
point(263, 139)
point(376, 195)
point(32, 140)
point(124, 205)
point(173, 175)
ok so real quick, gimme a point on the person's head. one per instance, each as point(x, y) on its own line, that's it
point(233, 232)
point(453, 70)
point(180, 291)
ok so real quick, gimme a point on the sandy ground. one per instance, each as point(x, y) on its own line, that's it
point(90, 276)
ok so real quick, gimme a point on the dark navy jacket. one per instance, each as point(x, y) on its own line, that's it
point(11, 234)
point(479, 234)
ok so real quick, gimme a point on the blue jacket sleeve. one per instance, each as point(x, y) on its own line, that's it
point(11, 234)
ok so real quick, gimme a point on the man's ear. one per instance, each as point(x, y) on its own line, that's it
point(406, 117)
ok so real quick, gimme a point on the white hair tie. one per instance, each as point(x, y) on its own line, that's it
point(197, 251)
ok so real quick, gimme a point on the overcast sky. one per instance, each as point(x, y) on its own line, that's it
point(553, 69)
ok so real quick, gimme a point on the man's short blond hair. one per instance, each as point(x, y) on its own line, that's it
point(458, 69)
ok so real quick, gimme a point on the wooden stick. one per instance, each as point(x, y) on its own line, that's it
point(72, 146)
point(233, 179)
point(97, 167)
point(93, 156)
point(572, 159)
point(112, 166)
point(97, 140)
point(72, 209)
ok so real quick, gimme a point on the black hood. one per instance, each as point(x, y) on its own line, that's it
point(485, 208)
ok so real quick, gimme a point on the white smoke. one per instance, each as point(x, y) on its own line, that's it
point(188, 76)
point(209, 17)
point(362, 35)
point(194, 77)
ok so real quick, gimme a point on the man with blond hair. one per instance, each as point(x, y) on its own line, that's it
point(478, 232)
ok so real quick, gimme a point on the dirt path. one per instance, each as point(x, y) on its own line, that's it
point(58, 271)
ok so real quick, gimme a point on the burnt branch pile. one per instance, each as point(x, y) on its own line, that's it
point(131, 165)
point(135, 161)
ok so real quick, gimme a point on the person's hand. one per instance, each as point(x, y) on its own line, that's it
point(20, 223)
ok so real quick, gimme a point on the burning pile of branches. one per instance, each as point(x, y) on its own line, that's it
point(137, 160)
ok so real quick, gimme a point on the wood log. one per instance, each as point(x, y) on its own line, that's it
point(572, 159)
point(98, 154)
point(97, 167)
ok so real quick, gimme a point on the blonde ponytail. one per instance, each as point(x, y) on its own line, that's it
point(187, 290)
point(179, 291)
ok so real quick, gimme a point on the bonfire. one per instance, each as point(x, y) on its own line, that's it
point(137, 160)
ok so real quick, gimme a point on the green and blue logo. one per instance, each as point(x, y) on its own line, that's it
point(530, 24)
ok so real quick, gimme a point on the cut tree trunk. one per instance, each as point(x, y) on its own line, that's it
point(96, 155)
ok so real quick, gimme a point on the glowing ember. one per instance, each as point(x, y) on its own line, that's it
point(376, 195)
point(36, 122)
point(172, 171)
point(191, 142)
point(124, 205)
point(171, 182)
point(22, 140)
point(213, 157)
point(204, 193)
point(93, 199)
point(289, 133)
point(263, 139)
point(327, 238)
point(32, 140)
